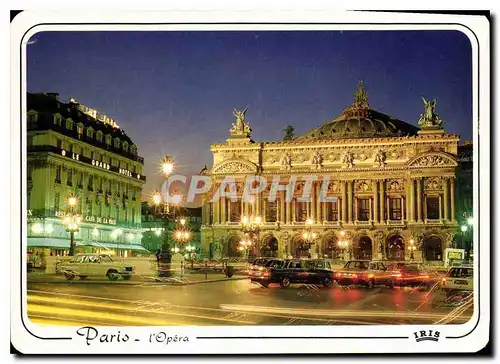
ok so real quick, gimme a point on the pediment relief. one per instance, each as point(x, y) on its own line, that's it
point(235, 166)
point(433, 159)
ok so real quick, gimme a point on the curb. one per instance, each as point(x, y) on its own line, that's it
point(152, 282)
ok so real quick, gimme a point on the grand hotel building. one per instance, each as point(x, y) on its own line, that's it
point(73, 150)
point(394, 183)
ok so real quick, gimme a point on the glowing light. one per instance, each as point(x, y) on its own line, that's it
point(463, 228)
point(176, 199)
point(95, 232)
point(167, 165)
point(157, 198)
point(49, 228)
point(37, 228)
point(309, 221)
point(158, 232)
point(342, 233)
point(244, 220)
point(258, 219)
point(183, 221)
point(470, 221)
point(72, 201)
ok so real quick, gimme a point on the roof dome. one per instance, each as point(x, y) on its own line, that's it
point(359, 121)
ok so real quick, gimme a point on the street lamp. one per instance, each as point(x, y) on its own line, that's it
point(463, 228)
point(308, 236)
point(251, 227)
point(470, 221)
point(244, 247)
point(72, 222)
point(412, 249)
point(343, 243)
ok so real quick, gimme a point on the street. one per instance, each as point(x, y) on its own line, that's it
point(235, 302)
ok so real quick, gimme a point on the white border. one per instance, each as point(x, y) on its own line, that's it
point(27, 343)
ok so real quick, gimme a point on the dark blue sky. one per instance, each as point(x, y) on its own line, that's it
point(174, 92)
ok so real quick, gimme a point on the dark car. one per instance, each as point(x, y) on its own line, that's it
point(262, 265)
point(410, 274)
point(364, 272)
point(288, 271)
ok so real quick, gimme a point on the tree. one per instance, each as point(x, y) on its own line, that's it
point(289, 133)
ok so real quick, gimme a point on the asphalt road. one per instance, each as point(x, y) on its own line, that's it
point(236, 303)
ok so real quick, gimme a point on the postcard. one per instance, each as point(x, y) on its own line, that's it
point(249, 182)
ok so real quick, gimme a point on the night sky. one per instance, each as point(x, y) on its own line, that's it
point(174, 92)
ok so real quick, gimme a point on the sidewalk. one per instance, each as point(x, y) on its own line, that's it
point(177, 279)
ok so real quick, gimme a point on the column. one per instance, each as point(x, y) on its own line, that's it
point(313, 202)
point(419, 199)
point(294, 210)
point(356, 209)
point(349, 201)
point(402, 208)
point(263, 208)
point(375, 201)
point(440, 207)
point(344, 201)
point(319, 203)
point(257, 211)
point(445, 197)
point(408, 192)
point(243, 203)
point(425, 207)
point(288, 212)
point(412, 200)
point(323, 211)
point(382, 201)
point(223, 210)
point(228, 218)
point(283, 209)
point(387, 208)
point(371, 208)
point(217, 211)
point(452, 198)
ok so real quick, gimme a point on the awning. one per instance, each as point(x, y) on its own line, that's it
point(121, 246)
point(48, 243)
point(64, 244)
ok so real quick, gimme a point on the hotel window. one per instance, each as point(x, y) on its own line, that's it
point(99, 136)
point(433, 208)
point(59, 143)
point(301, 211)
point(58, 174)
point(56, 201)
point(133, 150)
point(125, 146)
point(90, 132)
point(332, 211)
point(69, 181)
point(57, 119)
point(79, 129)
point(132, 218)
point(235, 211)
point(117, 142)
point(364, 209)
point(117, 188)
point(90, 185)
point(79, 179)
point(272, 211)
point(108, 139)
point(126, 214)
point(89, 207)
point(69, 124)
point(394, 208)
point(100, 209)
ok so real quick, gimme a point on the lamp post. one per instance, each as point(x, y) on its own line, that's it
point(251, 227)
point(343, 244)
point(72, 222)
point(182, 234)
point(412, 249)
point(467, 229)
point(244, 247)
point(162, 208)
point(308, 236)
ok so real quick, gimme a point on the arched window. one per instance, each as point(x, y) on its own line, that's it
point(99, 136)
point(90, 132)
point(108, 139)
point(133, 149)
point(125, 146)
point(117, 142)
point(69, 124)
point(57, 119)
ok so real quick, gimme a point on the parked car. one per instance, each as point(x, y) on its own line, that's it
point(263, 265)
point(364, 272)
point(289, 271)
point(95, 265)
point(458, 279)
point(410, 274)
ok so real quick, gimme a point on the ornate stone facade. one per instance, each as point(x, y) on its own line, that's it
point(393, 183)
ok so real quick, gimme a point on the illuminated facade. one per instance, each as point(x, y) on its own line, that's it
point(73, 150)
point(394, 185)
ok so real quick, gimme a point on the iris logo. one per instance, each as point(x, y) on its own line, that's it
point(426, 335)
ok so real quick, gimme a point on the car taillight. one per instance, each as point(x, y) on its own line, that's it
point(354, 276)
point(338, 274)
point(370, 275)
point(427, 277)
point(397, 274)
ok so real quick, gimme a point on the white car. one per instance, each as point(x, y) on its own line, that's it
point(458, 279)
point(95, 265)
